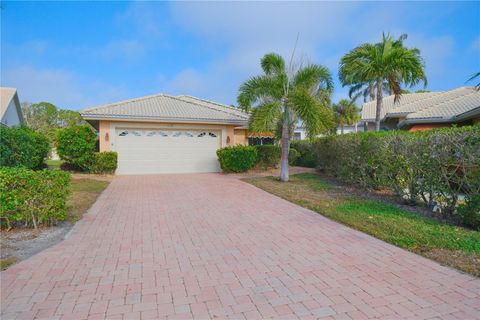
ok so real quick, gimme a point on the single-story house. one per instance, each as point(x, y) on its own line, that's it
point(10, 109)
point(167, 134)
point(426, 110)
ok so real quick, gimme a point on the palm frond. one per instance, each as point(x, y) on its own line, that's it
point(265, 117)
point(258, 88)
point(273, 64)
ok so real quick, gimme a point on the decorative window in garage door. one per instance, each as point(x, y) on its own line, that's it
point(166, 133)
point(207, 134)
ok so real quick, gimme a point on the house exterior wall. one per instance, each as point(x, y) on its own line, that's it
point(106, 131)
point(240, 137)
point(10, 117)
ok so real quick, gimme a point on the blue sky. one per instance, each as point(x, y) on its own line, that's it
point(79, 54)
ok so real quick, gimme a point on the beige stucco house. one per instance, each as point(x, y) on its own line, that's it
point(10, 110)
point(167, 134)
point(426, 110)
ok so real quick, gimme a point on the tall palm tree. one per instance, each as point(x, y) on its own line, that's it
point(287, 96)
point(382, 67)
point(346, 113)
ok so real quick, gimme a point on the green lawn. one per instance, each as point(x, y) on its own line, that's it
point(84, 193)
point(450, 245)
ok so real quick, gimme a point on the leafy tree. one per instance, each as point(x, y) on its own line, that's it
point(46, 118)
point(68, 118)
point(41, 117)
point(286, 96)
point(382, 67)
point(346, 113)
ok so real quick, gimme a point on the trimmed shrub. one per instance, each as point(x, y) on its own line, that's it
point(22, 147)
point(293, 156)
point(469, 212)
point(434, 166)
point(268, 156)
point(237, 158)
point(33, 198)
point(105, 162)
point(76, 145)
point(307, 157)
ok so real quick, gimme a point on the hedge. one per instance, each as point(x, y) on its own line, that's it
point(237, 158)
point(435, 166)
point(307, 156)
point(269, 156)
point(22, 147)
point(33, 198)
point(76, 145)
point(105, 162)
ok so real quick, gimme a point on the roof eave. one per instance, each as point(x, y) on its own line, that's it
point(424, 120)
point(88, 116)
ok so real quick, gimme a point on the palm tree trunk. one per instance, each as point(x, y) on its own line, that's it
point(285, 149)
point(379, 105)
point(341, 129)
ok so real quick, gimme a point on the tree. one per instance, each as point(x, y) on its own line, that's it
point(281, 95)
point(41, 117)
point(46, 118)
point(68, 118)
point(382, 67)
point(346, 112)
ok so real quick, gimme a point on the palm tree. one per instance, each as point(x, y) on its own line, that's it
point(281, 95)
point(382, 67)
point(346, 112)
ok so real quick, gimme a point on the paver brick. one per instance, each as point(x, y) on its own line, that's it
point(208, 245)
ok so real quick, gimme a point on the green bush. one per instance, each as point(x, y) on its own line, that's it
point(22, 147)
point(469, 212)
point(105, 162)
point(33, 198)
point(433, 167)
point(268, 156)
point(237, 159)
point(307, 157)
point(293, 156)
point(76, 145)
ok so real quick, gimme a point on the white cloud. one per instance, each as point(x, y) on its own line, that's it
point(62, 88)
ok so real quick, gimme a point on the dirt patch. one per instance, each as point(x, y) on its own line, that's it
point(19, 244)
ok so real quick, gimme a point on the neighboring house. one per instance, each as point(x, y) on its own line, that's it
point(167, 134)
point(10, 110)
point(422, 111)
point(359, 127)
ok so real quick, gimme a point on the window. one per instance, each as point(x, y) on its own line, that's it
point(213, 135)
point(297, 136)
point(183, 133)
point(123, 133)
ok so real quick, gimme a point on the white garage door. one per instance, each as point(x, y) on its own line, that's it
point(144, 151)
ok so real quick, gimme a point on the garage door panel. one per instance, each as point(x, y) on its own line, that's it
point(144, 151)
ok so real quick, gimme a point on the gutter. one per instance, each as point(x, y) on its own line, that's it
point(89, 116)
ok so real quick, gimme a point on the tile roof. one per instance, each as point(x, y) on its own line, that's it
point(167, 108)
point(417, 107)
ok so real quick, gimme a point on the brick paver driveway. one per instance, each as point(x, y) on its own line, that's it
point(211, 246)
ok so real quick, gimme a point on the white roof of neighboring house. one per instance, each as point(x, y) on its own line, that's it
point(6, 96)
point(445, 106)
point(164, 107)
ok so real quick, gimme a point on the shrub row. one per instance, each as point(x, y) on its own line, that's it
point(33, 198)
point(436, 167)
point(22, 147)
point(243, 158)
point(237, 159)
point(307, 156)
